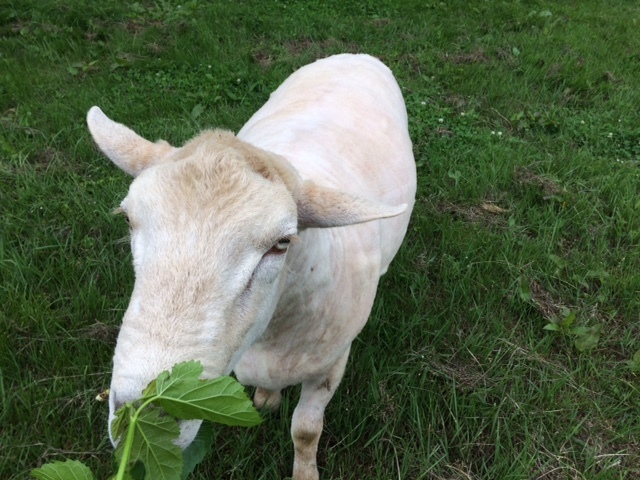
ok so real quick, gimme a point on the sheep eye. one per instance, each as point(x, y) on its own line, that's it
point(280, 246)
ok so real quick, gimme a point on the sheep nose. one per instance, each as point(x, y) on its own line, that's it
point(114, 402)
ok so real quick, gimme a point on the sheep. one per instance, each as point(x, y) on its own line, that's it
point(261, 253)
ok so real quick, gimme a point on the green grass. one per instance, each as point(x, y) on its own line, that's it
point(524, 117)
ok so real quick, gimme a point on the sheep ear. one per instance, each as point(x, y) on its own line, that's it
point(123, 146)
point(321, 207)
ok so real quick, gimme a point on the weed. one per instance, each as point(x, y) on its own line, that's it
point(634, 363)
point(586, 338)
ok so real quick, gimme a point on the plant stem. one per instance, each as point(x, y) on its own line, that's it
point(128, 443)
point(126, 450)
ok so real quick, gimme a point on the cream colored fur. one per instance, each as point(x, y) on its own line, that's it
point(218, 278)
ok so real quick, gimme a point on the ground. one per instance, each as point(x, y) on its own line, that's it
point(502, 342)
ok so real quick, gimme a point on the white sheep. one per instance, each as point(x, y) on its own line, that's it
point(261, 253)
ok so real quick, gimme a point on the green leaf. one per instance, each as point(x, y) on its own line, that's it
point(580, 280)
point(231, 95)
point(455, 176)
point(634, 363)
point(524, 289)
point(197, 111)
point(198, 449)
point(121, 422)
point(552, 326)
point(515, 51)
point(151, 390)
point(180, 371)
point(568, 320)
point(589, 339)
point(153, 445)
point(559, 261)
point(69, 470)
point(137, 472)
point(578, 331)
point(221, 400)
point(600, 274)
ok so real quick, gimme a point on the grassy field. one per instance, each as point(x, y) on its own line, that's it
point(502, 342)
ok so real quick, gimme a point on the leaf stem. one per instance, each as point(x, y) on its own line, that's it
point(128, 443)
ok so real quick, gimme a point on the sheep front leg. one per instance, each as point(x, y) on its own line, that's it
point(306, 425)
